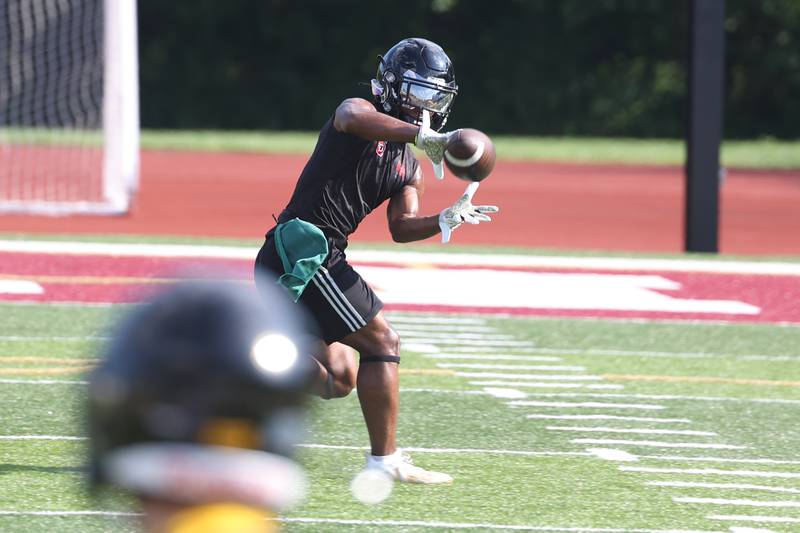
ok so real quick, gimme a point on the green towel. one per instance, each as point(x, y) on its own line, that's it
point(302, 248)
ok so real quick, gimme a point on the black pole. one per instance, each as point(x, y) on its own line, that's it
point(704, 128)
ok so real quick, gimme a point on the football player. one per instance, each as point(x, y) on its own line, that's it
point(362, 159)
point(197, 406)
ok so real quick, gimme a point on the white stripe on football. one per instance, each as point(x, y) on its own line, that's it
point(465, 162)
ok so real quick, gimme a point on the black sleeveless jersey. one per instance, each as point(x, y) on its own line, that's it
point(345, 179)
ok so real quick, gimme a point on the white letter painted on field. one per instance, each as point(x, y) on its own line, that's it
point(536, 290)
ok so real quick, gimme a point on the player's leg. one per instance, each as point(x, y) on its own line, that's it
point(379, 395)
point(378, 381)
point(337, 369)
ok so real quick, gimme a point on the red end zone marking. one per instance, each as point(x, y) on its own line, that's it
point(777, 296)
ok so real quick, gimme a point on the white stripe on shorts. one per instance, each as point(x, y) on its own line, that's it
point(324, 291)
point(332, 284)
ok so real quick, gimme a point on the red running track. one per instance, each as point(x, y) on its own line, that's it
point(544, 205)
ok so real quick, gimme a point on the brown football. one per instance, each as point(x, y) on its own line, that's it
point(469, 154)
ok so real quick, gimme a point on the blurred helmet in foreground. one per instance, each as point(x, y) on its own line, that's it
point(200, 398)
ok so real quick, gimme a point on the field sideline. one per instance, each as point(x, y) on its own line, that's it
point(548, 422)
point(756, 153)
point(752, 153)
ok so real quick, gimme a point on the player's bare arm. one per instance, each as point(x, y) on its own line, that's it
point(359, 117)
point(404, 222)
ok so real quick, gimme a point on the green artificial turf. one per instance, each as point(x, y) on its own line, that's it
point(563, 488)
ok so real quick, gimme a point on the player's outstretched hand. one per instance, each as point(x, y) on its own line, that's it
point(432, 143)
point(463, 211)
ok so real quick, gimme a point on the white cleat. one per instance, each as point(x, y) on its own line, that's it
point(402, 469)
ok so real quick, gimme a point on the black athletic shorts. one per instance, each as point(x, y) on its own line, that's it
point(337, 297)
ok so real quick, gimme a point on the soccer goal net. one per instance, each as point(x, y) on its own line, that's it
point(69, 106)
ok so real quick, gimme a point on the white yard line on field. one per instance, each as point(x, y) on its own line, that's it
point(711, 471)
point(747, 518)
point(659, 444)
point(504, 393)
point(433, 319)
point(542, 385)
point(39, 338)
point(68, 513)
point(610, 454)
point(41, 382)
point(83, 382)
point(662, 397)
point(130, 249)
point(641, 431)
point(724, 486)
point(483, 347)
point(586, 405)
point(477, 348)
point(602, 263)
point(419, 348)
point(41, 437)
point(623, 353)
point(780, 358)
point(566, 368)
point(449, 335)
point(611, 417)
point(484, 357)
point(543, 377)
point(677, 458)
point(410, 257)
point(479, 451)
point(75, 382)
point(443, 391)
point(457, 451)
point(444, 327)
point(497, 344)
point(647, 354)
point(373, 524)
point(412, 343)
point(743, 503)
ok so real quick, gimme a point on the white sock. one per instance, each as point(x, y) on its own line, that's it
point(394, 458)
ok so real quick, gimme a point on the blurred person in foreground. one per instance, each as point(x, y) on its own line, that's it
point(198, 405)
point(363, 158)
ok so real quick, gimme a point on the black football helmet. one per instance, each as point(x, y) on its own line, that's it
point(415, 75)
point(200, 397)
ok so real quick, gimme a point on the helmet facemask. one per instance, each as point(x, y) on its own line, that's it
point(418, 94)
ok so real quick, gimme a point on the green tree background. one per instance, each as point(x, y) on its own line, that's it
point(536, 67)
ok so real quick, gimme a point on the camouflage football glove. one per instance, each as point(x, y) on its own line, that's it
point(463, 211)
point(432, 143)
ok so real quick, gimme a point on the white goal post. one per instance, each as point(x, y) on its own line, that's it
point(69, 106)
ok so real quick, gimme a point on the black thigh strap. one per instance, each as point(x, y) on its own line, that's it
point(380, 359)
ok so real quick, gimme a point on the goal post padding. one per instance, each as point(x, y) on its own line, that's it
point(69, 106)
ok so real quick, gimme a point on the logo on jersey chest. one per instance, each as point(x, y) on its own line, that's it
point(380, 148)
